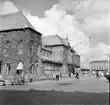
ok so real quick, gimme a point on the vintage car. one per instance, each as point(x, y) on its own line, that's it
point(15, 80)
point(107, 75)
point(6, 81)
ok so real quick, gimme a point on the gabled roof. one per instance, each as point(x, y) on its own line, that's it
point(53, 40)
point(14, 21)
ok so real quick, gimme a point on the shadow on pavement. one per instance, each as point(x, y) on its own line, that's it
point(35, 97)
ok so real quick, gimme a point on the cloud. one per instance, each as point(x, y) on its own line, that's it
point(91, 15)
point(7, 7)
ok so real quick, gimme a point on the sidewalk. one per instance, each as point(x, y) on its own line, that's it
point(44, 79)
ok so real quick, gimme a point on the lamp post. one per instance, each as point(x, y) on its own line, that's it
point(109, 62)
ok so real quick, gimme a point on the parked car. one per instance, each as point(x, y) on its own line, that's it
point(107, 75)
point(5, 81)
point(2, 82)
point(15, 80)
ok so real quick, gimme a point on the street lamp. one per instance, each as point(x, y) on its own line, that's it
point(109, 62)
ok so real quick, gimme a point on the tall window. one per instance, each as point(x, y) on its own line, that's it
point(8, 69)
point(20, 47)
point(6, 46)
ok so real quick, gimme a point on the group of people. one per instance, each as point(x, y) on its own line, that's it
point(57, 76)
point(98, 74)
point(76, 75)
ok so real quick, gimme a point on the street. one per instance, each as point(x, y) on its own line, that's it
point(88, 90)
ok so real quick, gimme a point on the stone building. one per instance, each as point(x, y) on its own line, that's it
point(19, 45)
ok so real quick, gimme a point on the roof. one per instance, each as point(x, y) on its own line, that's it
point(66, 41)
point(72, 48)
point(53, 40)
point(14, 21)
point(46, 49)
point(76, 54)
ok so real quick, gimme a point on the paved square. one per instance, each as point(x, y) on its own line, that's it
point(84, 91)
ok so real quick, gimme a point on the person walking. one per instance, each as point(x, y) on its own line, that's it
point(97, 74)
point(77, 75)
point(70, 74)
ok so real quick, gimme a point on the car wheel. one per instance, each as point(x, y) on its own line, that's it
point(1, 83)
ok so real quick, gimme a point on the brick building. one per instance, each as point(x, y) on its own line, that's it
point(63, 55)
point(19, 44)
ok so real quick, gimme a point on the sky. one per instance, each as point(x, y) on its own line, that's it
point(86, 23)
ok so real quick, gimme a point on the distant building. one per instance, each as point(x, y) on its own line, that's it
point(101, 65)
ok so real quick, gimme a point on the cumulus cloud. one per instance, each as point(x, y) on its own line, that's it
point(7, 7)
point(92, 15)
point(93, 18)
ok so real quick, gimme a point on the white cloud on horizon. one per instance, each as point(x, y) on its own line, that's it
point(56, 21)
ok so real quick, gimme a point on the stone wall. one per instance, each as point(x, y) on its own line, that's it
point(19, 46)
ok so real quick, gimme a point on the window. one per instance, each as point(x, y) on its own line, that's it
point(44, 53)
point(47, 54)
point(5, 47)
point(20, 46)
point(8, 69)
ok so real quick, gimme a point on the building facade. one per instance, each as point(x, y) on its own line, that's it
point(63, 55)
point(19, 45)
point(101, 65)
point(46, 57)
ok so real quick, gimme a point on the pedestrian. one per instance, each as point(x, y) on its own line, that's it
point(97, 74)
point(57, 77)
point(53, 76)
point(70, 74)
point(77, 75)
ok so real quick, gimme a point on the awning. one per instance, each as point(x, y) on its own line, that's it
point(20, 66)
